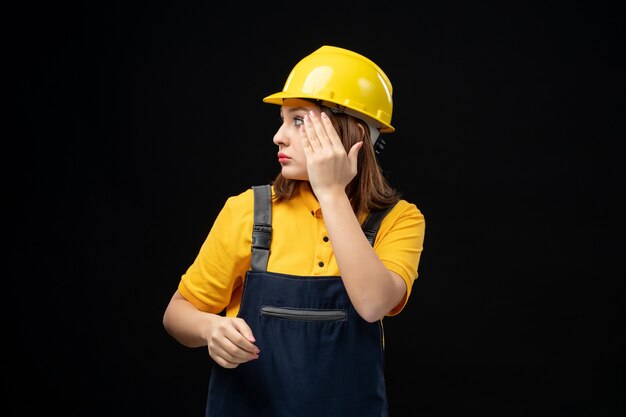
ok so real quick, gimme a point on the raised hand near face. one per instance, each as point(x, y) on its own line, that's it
point(330, 168)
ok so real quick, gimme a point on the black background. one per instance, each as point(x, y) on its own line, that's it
point(133, 123)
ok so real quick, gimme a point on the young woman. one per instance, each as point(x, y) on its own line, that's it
point(292, 317)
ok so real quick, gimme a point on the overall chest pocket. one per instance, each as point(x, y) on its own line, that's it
point(301, 314)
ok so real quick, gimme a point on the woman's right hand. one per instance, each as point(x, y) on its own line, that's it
point(230, 341)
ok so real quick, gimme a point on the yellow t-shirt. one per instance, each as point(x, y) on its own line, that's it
point(299, 246)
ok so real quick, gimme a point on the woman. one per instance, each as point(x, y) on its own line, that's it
point(299, 333)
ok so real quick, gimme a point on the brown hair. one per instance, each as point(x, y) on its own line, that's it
point(369, 189)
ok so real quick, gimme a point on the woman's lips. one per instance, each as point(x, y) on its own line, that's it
point(282, 157)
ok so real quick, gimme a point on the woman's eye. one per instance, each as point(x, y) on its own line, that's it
point(298, 121)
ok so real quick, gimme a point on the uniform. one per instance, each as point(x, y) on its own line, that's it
point(318, 357)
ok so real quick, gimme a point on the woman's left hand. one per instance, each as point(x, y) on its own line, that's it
point(329, 167)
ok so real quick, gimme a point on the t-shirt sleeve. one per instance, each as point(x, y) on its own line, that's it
point(223, 259)
point(399, 244)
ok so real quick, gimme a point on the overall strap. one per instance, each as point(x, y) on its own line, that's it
point(373, 221)
point(262, 228)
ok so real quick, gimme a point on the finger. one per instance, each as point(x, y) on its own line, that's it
point(235, 353)
point(229, 352)
point(304, 139)
point(333, 137)
point(245, 339)
point(220, 360)
point(227, 360)
point(354, 154)
point(311, 133)
point(320, 130)
point(244, 329)
point(224, 363)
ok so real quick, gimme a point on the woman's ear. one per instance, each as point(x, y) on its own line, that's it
point(362, 130)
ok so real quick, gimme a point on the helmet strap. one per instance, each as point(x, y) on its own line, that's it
point(379, 145)
point(374, 133)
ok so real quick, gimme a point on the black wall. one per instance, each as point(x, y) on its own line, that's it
point(133, 123)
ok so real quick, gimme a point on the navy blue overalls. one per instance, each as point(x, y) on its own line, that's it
point(318, 357)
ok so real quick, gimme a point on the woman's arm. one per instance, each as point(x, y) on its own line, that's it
point(372, 288)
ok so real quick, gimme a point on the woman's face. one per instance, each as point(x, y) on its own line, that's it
point(289, 140)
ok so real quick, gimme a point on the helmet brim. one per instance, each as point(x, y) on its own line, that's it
point(277, 98)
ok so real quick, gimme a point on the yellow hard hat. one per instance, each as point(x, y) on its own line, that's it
point(344, 80)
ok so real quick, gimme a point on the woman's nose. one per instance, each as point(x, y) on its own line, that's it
point(280, 138)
